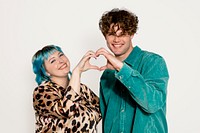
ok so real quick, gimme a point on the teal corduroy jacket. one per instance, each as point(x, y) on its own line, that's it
point(133, 100)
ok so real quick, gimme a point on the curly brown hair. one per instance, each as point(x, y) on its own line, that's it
point(125, 20)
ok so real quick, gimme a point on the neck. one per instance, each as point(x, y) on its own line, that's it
point(125, 55)
point(61, 81)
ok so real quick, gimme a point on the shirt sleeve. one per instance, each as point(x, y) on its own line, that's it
point(91, 98)
point(147, 87)
point(54, 103)
point(89, 95)
point(102, 104)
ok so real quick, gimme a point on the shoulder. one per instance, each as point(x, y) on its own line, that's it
point(153, 62)
point(148, 56)
point(45, 90)
point(43, 87)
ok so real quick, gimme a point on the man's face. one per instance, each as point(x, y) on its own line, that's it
point(119, 42)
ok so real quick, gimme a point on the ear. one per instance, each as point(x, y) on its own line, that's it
point(48, 74)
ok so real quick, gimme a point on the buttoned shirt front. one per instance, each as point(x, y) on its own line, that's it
point(134, 99)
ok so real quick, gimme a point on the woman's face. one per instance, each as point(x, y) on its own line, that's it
point(57, 65)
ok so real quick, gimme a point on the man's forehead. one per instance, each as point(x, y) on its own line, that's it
point(115, 28)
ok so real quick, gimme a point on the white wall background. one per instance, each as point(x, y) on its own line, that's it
point(170, 28)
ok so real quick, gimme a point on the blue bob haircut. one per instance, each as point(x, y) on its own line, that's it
point(38, 62)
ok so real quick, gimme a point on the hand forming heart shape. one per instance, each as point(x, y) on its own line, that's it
point(95, 59)
point(99, 61)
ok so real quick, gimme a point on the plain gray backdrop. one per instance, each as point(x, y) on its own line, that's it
point(169, 28)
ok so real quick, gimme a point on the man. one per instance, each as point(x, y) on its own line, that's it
point(133, 87)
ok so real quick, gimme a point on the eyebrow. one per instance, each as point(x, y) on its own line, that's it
point(53, 57)
point(115, 33)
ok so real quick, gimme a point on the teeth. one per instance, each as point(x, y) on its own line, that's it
point(117, 45)
point(63, 66)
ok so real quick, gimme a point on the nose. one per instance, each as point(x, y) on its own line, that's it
point(60, 60)
point(116, 39)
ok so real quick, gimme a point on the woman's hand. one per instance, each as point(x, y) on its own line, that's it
point(82, 66)
point(84, 63)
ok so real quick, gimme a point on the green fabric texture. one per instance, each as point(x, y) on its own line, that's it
point(133, 100)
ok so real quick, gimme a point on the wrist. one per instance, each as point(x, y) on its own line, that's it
point(76, 72)
point(119, 66)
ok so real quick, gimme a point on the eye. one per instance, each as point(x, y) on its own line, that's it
point(61, 54)
point(121, 35)
point(111, 34)
point(52, 61)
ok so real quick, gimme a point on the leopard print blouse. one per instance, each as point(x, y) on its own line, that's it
point(60, 110)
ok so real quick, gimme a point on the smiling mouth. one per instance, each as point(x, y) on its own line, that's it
point(63, 66)
point(117, 45)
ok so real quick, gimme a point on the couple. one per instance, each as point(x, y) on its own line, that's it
point(133, 86)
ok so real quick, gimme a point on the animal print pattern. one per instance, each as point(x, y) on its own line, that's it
point(59, 110)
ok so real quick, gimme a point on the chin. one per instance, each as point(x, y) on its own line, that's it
point(117, 53)
point(67, 71)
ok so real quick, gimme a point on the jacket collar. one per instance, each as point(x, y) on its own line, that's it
point(132, 58)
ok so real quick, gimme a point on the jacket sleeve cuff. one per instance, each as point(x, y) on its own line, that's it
point(124, 73)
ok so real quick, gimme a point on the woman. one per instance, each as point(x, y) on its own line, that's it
point(63, 104)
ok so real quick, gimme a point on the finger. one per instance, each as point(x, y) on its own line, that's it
point(105, 54)
point(103, 68)
point(102, 50)
point(94, 67)
point(99, 49)
point(87, 57)
point(90, 52)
